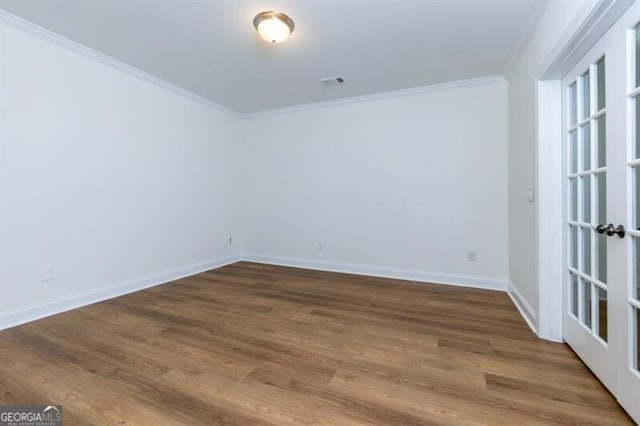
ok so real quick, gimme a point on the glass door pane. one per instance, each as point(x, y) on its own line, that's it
point(633, 227)
point(602, 154)
point(587, 199)
point(636, 335)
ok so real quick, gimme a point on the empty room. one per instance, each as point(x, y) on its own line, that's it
point(373, 212)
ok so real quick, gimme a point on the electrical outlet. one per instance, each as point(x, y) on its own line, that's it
point(227, 241)
point(46, 273)
point(471, 256)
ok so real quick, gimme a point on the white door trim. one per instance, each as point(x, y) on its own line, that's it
point(549, 209)
point(593, 20)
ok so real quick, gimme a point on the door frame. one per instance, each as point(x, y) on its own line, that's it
point(591, 22)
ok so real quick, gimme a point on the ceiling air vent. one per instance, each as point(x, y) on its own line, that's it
point(332, 81)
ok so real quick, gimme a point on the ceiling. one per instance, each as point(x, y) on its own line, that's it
point(211, 48)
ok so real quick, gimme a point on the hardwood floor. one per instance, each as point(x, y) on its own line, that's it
point(257, 344)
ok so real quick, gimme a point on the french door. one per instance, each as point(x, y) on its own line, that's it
point(602, 150)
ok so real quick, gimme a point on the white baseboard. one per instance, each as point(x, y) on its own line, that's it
point(525, 309)
point(61, 304)
point(65, 303)
point(377, 271)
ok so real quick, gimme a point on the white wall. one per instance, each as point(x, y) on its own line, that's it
point(555, 20)
point(121, 182)
point(406, 184)
point(114, 180)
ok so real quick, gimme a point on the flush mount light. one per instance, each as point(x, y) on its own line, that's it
point(272, 26)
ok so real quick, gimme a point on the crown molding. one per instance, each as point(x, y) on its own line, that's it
point(10, 19)
point(535, 16)
point(592, 22)
point(380, 96)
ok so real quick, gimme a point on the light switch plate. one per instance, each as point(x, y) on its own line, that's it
point(531, 194)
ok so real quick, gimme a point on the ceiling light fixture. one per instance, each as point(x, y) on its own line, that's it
point(273, 27)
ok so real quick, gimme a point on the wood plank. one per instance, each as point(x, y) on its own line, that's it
point(259, 344)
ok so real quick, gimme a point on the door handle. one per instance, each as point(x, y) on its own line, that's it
point(611, 230)
point(600, 229)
